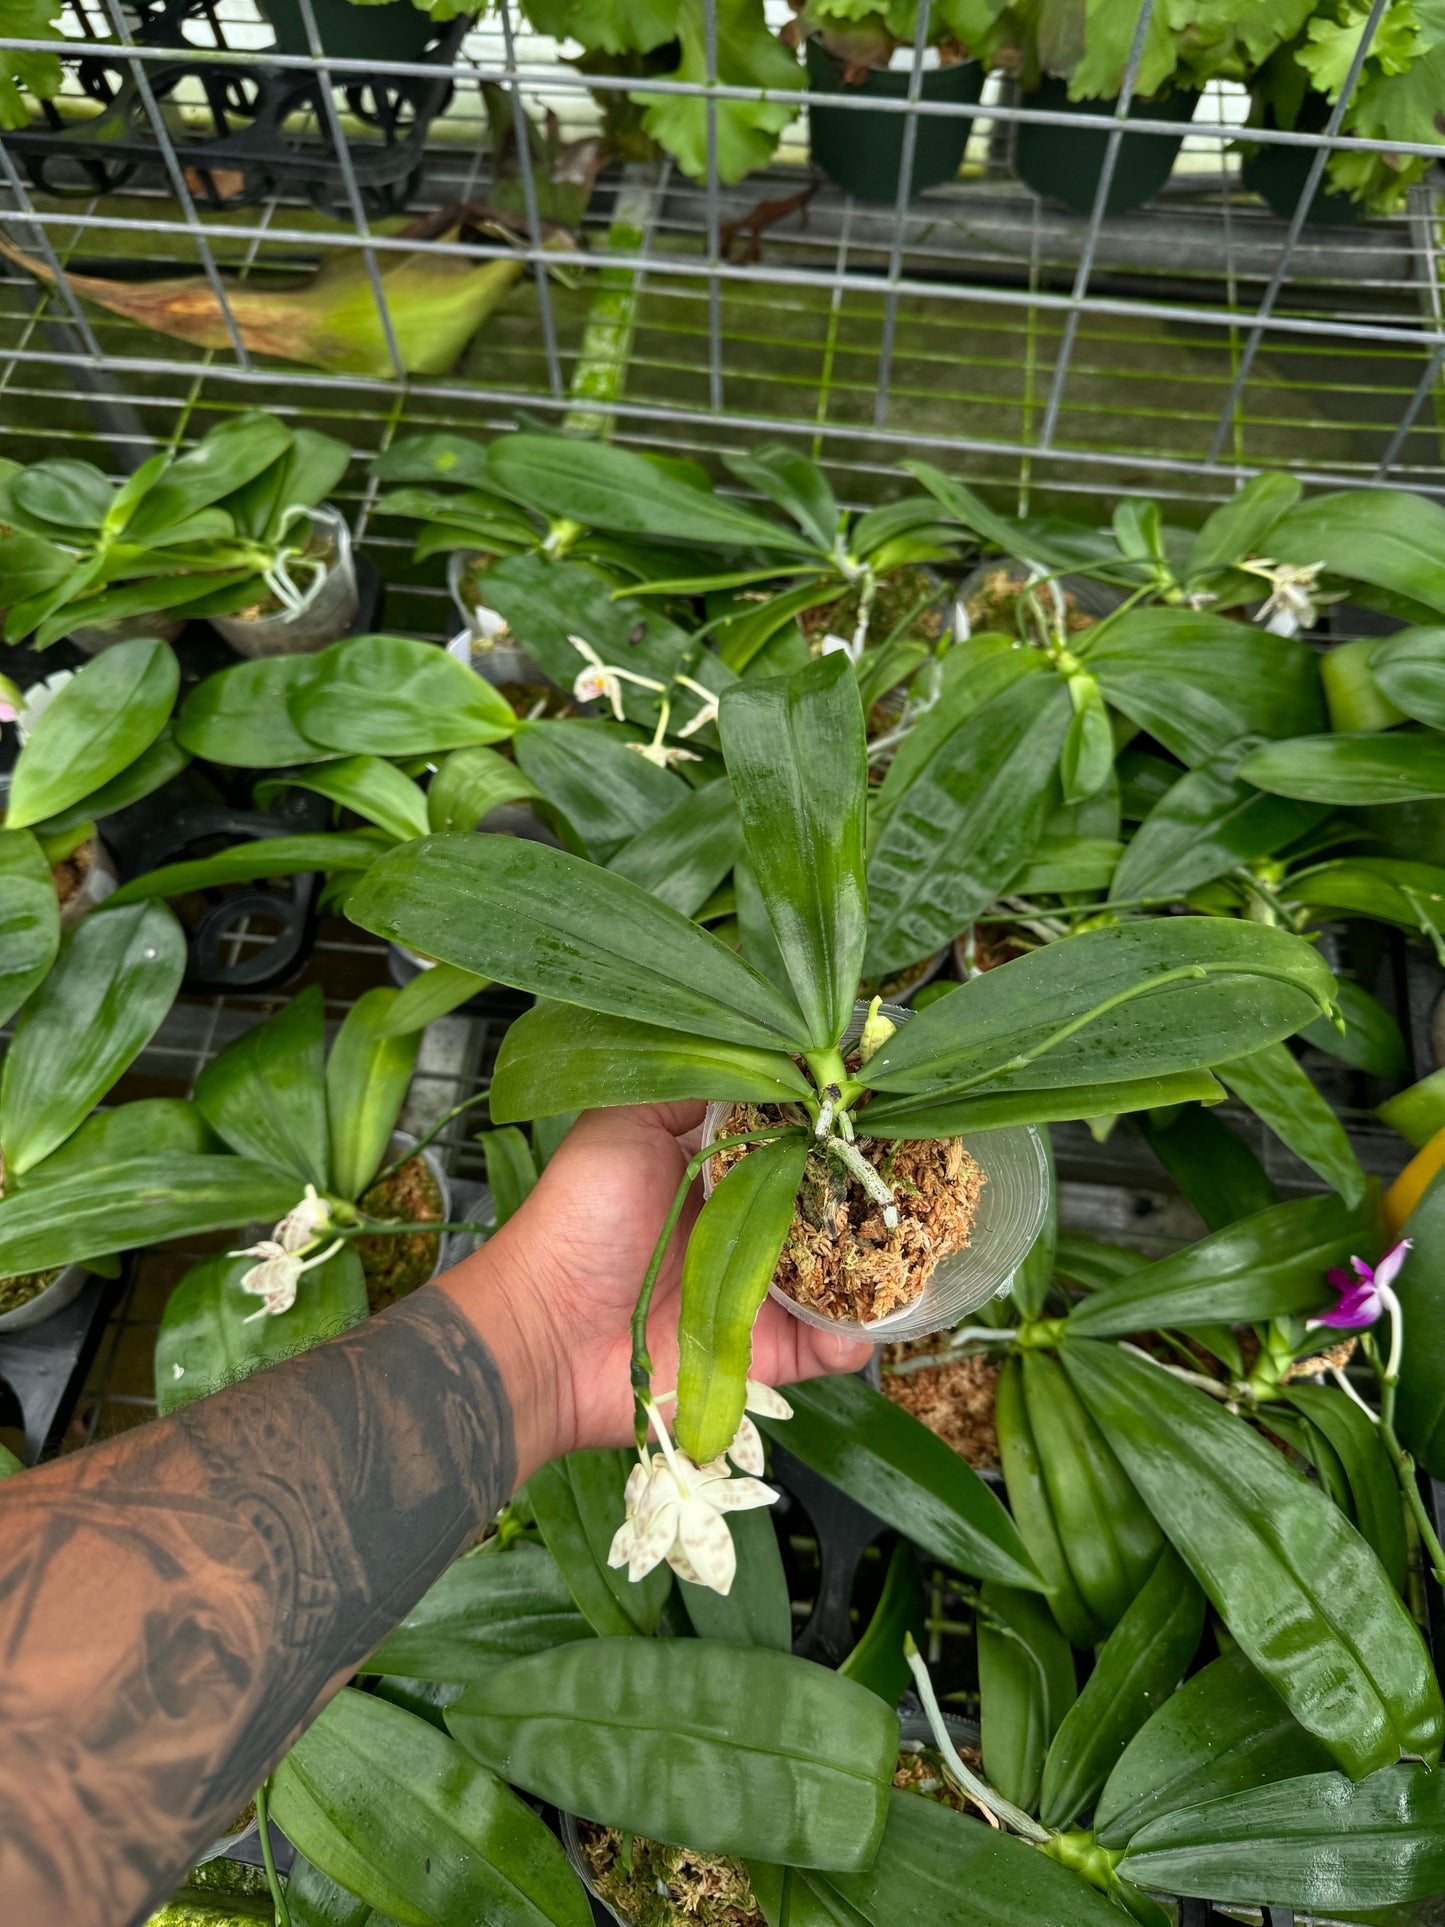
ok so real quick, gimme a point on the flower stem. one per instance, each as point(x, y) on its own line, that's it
point(436, 1130)
point(383, 1228)
point(978, 1790)
point(273, 1879)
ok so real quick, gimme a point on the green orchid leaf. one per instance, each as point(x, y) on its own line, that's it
point(394, 696)
point(798, 763)
point(966, 823)
point(1409, 668)
point(756, 1610)
point(606, 487)
point(1270, 1551)
point(559, 1058)
point(578, 1505)
point(1026, 1685)
point(469, 785)
point(147, 1128)
point(29, 919)
point(368, 1071)
point(1371, 1040)
point(1381, 766)
point(594, 776)
point(879, 1661)
point(100, 722)
point(1386, 537)
point(1138, 999)
point(266, 1092)
point(394, 1811)
point(1224, 1732)
point(136, 1201)
point(268, 856)
point(684, 854)
point(1279, 1091)
point(431, 994)
point(1375, 1504)
point(370, 786)
point(225, 458)
point(1086, 760)
point(1211, 1164)
point(923, 1115)
point(150, 771)
point(742, 639)
point(1389, 889)
point(1031, 539)
point(1107, 1538)
point(797, 485)
point(1269, 1265)
point(1420, 1287)
point(731, 1255)
point(1238, 530)
point(1320, 1843)
point(1139, 1666)
point(1205, 826)
point(972, 673)
point(643, 1734)
point(114, 980)
point(493, 1605)
point(550, 923)
point(1200, 682)
point(211, 1334)
point(241, 716)
point(884, 1458)
point(1033, 1508)
point(301, 478)
point(511, 1171)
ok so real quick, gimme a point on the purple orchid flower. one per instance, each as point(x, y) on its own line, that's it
point(1363, 1297)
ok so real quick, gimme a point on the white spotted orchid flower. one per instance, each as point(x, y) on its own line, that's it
point(746, 1450)
point(282, 1256)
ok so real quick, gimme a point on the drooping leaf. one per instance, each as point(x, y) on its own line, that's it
point(1025, 1687)
point(266, 1092)
point(578, 1504)
point(684, 854)
point(944, 1116)
point(1382, 766)
point(1389, 538)
point(643, 1735)
point(367, 1074)
point(1375, 1501)
point(493, 1605)
point(267, 856)
point(105, 717)
point(1279, 1091)
point(607, 792)
point(1211, 1164)
point(546, 922)
point(369, 785)
point(394, 696)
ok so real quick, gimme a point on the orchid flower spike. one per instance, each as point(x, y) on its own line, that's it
point(1366, 1296)
point(659, 751)
point(705, 715)
point(274, 1280)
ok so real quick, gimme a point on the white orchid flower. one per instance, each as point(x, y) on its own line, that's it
point(599, 679)
point(1294, 600)
point(35, 700)
point(659, 751)
point(282, 1261)
point(674, 1511)
point(746, 1450)
point(705, 715)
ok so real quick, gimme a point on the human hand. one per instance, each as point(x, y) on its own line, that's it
point(572, 1261)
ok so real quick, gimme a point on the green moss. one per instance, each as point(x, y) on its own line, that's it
point(19, 1290)
point(652, 1885)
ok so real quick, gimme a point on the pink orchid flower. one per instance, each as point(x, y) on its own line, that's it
point(1363, 1297)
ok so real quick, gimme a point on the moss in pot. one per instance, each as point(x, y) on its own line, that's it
point(394, 1266)
point(953, 1397)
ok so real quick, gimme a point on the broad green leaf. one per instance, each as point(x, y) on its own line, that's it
point(1382, 766)
point(369, 785)
point(1269, 1265)
point(469, 785)
point(136, 1201)
point(268, 856)
point(1374, 1491)
point(150, 771)
point(1206, 825)
point(1139, 1666)
point(314, 1899)
point(559, 1058)
point(1306, 1599)
point(550, 923)
point(1199, 682)
point(742, 639)
point(396, 1812)
point(884, 1458)
point(798, 763)
point(225, 458)
point(1109, 1541)
point(147, 1128)
point(511, 1171)
point(1211, 1164)
point(605, 487)
point(67, 495)
point(972, 673)
point(1410, 669)
point(684, 854)
point(1033, 1508)
point(644, 1735)
point(29, 919)
point(606, 791)
point(1319, 1843)
point(113, 982)
point(1417, 1112)
point(368, 1070)
point(797, 485)
point(266, 1092)
point(241, 715)
point(1383, 536)
point(100, 722)
point(1237, 530)
point(394, 696)
point(1134, 1000)
point(944, 1116)
point(1278, 1090)
point(1028, 540)
point(578, 1505)
point(1371, 1040)
point(966, 823)
point(756, 1611)
point(211, 1335)
point(942, 1868)
point(1025, 1687)
point(1223, 1732)
point(495, 1604)
point(879, 1661)
point(1420, 1399)
point(429, 995)
point(731, 1255)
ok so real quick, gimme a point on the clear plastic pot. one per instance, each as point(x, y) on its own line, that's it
point(96, 637)
point(326, 614)
point(1011, 1210)
point(481, 644)
point(56, 1296)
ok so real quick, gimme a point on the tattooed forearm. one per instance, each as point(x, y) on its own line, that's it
point(175, 1605)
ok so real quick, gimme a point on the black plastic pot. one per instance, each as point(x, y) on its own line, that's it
point(43, 1370)
point(1064, 163)
point(1278, 174)
point(863, 151)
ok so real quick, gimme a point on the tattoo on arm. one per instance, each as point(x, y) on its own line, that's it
point(177, 1604)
